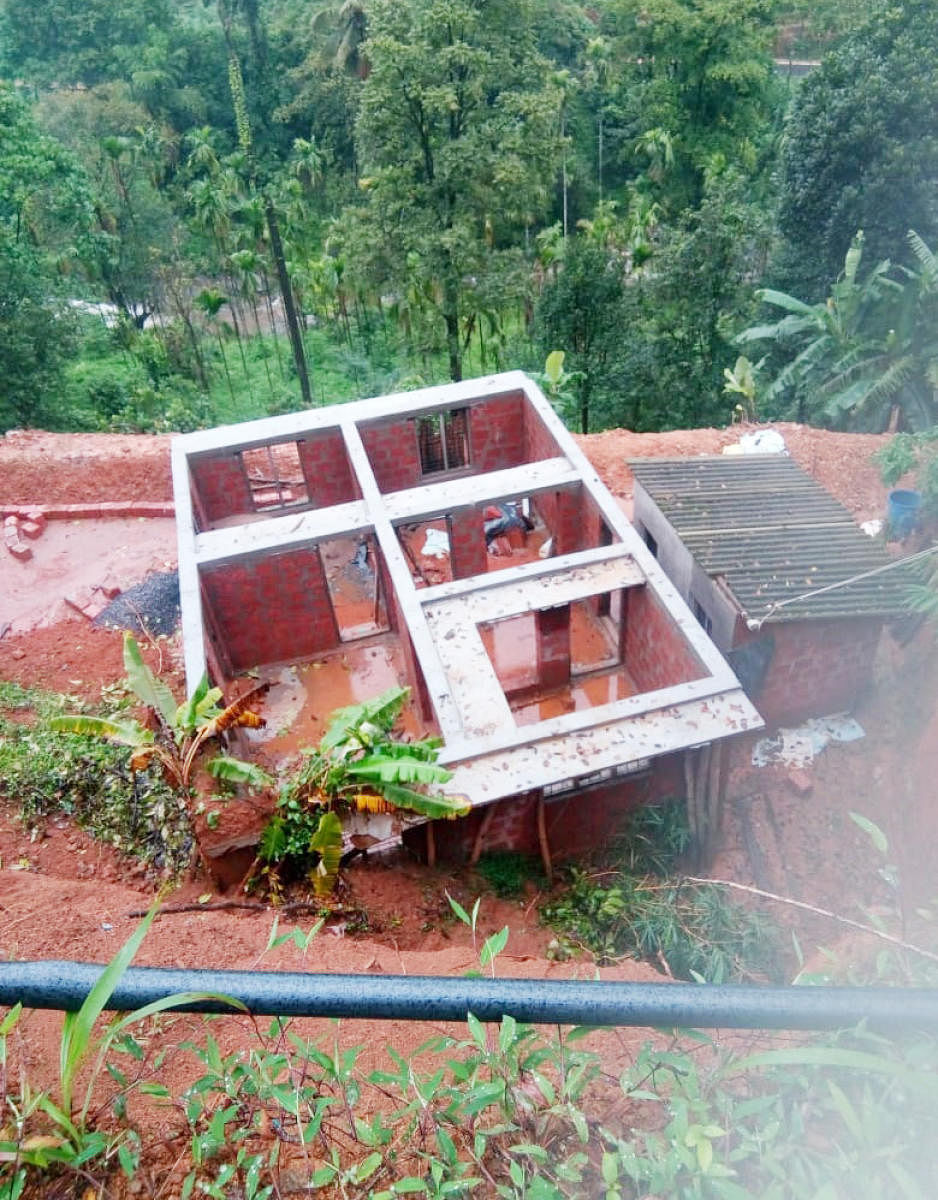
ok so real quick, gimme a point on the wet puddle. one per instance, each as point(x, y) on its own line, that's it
point(303, 696)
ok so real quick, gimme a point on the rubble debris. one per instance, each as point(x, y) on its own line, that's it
point(800, 782)
point(760, 441)
point(12, 541)
point(799, 746)
point(89, 602)
point(436, 545)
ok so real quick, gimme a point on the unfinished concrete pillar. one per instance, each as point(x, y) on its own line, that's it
point(553, 646)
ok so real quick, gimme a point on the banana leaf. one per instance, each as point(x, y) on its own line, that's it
point(381, 711)
point(236, 770)
point(327, 841)
point(435, 806)
point(405, 768)
point(151, 690)
point(124, 733)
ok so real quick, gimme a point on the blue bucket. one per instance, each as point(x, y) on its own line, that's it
point(902, 512)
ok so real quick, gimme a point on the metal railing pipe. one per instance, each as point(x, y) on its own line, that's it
point(64, 985)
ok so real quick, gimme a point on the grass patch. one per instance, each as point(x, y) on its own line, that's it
point(506, 872)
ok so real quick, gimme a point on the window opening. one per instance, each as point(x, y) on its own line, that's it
point(594, 642)
point(651, 542)
point(443, 439)
point(701, 614)
point(275, 476)
point(603, 602)
point(566, 787)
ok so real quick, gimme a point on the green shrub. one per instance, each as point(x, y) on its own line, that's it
point(654, 838)
point(45, 774)
point(506, 872)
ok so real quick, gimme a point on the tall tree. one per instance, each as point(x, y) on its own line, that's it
point(681, 313)
point(694, 76)
point(76, 41)
point(580, 311)
point(861, 148)
point(227, 11)
point(458, 138)
point(45, 214)
point(107, 130)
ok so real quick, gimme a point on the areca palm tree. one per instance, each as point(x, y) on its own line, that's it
point(867, 356)
point(211, 301)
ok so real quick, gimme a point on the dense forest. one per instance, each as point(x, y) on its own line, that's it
point(212, 211)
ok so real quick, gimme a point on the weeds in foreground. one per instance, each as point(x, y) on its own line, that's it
point(43, 1131)
point(507, 1111)
point(508, 873)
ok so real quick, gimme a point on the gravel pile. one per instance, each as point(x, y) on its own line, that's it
point(151, 606)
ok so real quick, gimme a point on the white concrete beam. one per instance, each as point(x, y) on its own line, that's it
point(281, 532)
point(432, 499)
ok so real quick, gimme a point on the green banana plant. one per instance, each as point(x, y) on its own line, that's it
point(182, 729)
point(358, 766)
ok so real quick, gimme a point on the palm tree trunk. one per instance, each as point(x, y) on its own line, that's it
point(286, 291)
point(224, 359)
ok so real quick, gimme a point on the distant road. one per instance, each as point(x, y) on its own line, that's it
point(796, 66)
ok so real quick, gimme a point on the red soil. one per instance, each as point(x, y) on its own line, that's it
point(64, 896)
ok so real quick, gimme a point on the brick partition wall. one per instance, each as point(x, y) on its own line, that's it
point(566, 516)
point(496, 433)
point(220, 487)
point(539, 442)
point(817, 667)
point(415, 677)
point(393, 454)
point(329, 478)
point(467, 551)
point(271, 609)
point(656, 654)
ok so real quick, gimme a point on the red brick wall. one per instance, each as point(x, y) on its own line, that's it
point(393, 454)
point(467, 551)
point(539, 442)
point(496, 433)
point(270, 609)
point(220, 487)
point(591, 523)
point(576, 824)
point(817, 668)
point(565, 516)
point(656, 653)
point(329, 478)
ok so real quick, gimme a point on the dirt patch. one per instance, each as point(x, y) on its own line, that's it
point(77, 659)
point(85, 563)
point(64, 468)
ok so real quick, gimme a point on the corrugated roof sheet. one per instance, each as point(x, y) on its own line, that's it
point(772, 533)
